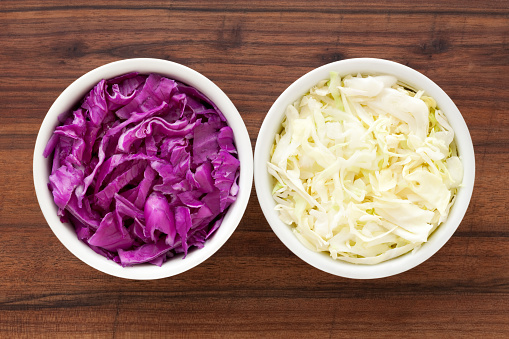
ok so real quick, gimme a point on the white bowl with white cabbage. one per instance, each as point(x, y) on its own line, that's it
point(364, 168)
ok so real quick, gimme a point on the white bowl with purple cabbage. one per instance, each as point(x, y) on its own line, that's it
point(143, 168)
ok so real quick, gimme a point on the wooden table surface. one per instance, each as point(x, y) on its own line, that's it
point(254, 286)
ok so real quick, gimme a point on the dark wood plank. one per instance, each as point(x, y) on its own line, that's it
point(496, 7)
point(253, 286)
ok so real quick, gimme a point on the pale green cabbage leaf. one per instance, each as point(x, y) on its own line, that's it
point(365, 168)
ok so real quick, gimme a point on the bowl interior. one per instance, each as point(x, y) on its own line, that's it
point(65, 232)
point(272, 125)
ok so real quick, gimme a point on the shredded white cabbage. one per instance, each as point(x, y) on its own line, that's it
point(365, 168)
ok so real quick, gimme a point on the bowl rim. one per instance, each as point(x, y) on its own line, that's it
point(365, 66)
point(72, 94)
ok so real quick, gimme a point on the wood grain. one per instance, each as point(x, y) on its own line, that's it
point(254, 286)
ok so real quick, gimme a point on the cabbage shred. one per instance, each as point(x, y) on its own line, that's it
point(365, 168)
point(144, 168)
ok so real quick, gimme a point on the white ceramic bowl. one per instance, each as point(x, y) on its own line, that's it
point(264, 182)
point(65, 232)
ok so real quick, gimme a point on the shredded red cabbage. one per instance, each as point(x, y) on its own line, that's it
point(144, 168)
